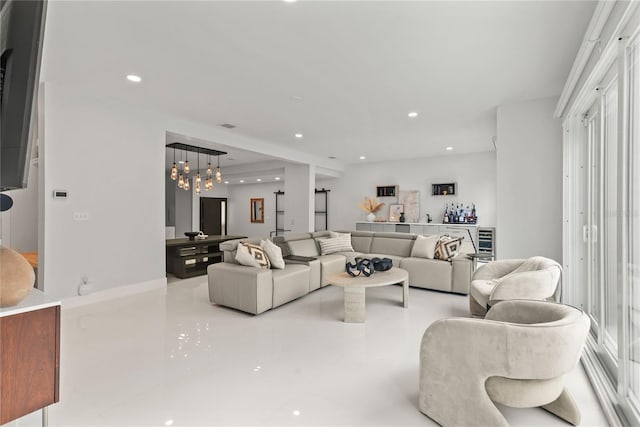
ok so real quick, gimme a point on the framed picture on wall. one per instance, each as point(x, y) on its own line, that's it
point(394, 212)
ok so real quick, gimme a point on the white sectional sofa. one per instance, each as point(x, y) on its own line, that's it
point(255, 290)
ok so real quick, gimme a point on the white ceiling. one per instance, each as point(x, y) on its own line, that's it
point(358, 66)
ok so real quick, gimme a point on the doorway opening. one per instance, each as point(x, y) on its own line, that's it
point(213, 216)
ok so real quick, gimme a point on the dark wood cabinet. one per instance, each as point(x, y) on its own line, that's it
point(29, 361)
point(189, 258)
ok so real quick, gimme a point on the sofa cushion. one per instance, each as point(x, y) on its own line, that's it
point(428, 273)
point(330, 264)
point(425, 246)
point(274, 253)
point(290, 283)
point(332, 245)
point(252, 256)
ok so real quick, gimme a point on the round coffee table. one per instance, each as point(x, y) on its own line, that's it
point(354, 290)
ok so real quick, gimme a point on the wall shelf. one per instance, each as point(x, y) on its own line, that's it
point(446, 189)
point(387, 191)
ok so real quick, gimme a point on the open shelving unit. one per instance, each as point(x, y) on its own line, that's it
point(279, 231)
point(321, 210)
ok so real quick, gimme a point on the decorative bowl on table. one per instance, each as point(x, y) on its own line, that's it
point(191, 234)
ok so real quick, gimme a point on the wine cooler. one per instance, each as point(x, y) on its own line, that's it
point(487, 241)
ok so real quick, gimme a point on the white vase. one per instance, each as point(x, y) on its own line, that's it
point(371, 217)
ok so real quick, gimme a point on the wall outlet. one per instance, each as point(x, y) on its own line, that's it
point(81, 216)
point(85, 287)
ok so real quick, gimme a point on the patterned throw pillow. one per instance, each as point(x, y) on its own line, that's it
point(447, 248)
point(252, 256)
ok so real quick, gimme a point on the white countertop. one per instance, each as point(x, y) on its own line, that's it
point(36, 300)
point(417, 223)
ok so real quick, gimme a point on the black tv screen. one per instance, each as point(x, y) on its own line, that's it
point(21, 35)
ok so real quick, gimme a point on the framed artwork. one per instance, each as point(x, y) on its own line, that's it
point(394, 212)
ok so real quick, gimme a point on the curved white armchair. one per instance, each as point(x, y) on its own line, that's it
point(535, 278)
point(517, 356)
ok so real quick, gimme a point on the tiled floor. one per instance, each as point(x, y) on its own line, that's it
point(175, 359)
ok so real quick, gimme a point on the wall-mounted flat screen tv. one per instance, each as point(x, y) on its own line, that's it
point(21, 36)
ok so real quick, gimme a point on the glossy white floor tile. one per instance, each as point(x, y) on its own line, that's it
point(175, 359)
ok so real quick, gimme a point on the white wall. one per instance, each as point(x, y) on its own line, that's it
point(88, 146)
point(110, 158)
point(19, 225)
point(299, 198)
point(239, 199)
point(474, 173)
point(529, 177)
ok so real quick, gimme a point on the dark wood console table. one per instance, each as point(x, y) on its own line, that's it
point(29, 356)
point(189, 258)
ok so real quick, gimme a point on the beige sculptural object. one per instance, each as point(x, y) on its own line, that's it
point(16, 277)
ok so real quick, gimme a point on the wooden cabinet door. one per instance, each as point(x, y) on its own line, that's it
point(30, 361)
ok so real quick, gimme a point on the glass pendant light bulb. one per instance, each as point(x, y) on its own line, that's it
point(198, 178)
point(181, 181)
point(197, 187)
point(209, 171)
point(186, 184)
point(174, 172)
point(186, 167)
point(218, 175)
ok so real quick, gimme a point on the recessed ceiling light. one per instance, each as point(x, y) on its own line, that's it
point(242, 181)
point(413, 114)
point(449, 148)
point(362, 157)
point(259, 179)
point(296, 98)
point(290, 1)
point(134, 78)
point(277, 178)
point(226, 182)
point(298, 135)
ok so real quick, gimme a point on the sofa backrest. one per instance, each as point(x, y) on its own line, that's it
point(398, 244)
point(230, 248)
point(361, 240)
point(297, 244)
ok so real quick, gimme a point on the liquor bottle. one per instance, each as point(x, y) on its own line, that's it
point(473, 213)
point(445, 218)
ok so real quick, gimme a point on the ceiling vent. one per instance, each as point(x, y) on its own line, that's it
point(228, 125)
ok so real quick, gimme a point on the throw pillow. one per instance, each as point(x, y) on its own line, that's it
point(252, 256)
point(425, 246)
point(335, 244)
point(336, 234)
point(447, 248)
point(274, 253)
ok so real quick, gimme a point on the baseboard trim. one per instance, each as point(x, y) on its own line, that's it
point(115, 293)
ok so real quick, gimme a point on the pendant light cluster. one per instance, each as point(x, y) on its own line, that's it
point(182, 176)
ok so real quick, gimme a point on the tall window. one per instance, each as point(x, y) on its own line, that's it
point(603, 197)
point(634, 206)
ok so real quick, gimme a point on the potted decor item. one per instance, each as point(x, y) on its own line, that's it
point(16, 277)
point(370, 206)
